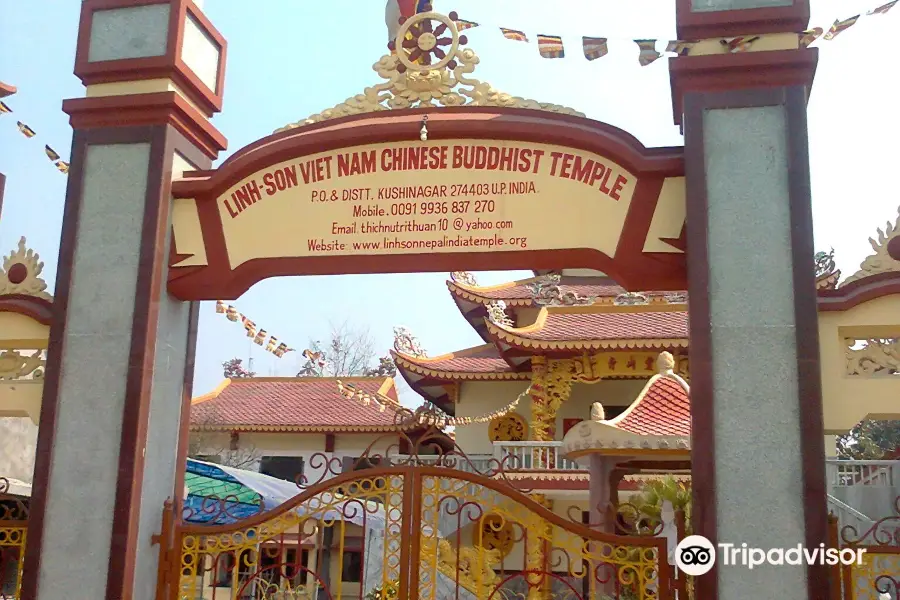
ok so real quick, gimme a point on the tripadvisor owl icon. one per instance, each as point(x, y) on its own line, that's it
point(695, 555)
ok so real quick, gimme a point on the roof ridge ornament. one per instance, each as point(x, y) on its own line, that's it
point(887, 253)
point(631, 299)
point(20, 273)
point(547, 291)
point(411, 85)
point(827, 273)
point(497, 314)
point(406, 343)
point(464, 277)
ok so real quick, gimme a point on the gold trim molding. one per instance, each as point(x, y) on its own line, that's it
point(410, 84)
point(17, 366)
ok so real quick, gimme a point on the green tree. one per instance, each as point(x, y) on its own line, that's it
point(234, 369)
point(870, 440)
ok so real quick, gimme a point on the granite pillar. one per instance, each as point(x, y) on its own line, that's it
point(757, 447)
point(120, 358)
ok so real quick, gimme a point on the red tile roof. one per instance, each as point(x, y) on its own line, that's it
point(579, 324)
point(292, 404)
point(599, 287)
point(471, 361)
point(664, 408)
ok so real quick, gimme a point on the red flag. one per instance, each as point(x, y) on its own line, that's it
point(883, 8)
point(840, 26)
point(809, 36)
point(551, 46)
point(739, 44)
point(514, 34)
point(648, 52)
point(594, 48)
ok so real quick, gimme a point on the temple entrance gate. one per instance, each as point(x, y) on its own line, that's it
point(598, 199)
point(413, 532)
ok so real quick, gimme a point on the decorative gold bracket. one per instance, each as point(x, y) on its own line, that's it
point(411, 84)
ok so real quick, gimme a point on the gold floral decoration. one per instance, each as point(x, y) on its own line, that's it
point(15, 365)
point(887, 253)
point(876, 358)
point(20, 273)
point(508, 428)
point(412, 83)
point(496, 534)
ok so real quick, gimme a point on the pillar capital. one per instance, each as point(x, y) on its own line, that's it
point(145, 46)
point(705, 19)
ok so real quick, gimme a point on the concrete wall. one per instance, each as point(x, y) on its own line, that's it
point(18, 442)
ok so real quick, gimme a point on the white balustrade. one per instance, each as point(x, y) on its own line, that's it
point(533, 455)
point(876, 473)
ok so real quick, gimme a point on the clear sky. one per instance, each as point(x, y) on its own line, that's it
point(288, 59)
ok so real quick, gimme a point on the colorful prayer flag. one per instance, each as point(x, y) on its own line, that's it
point(63, 166)
point(260, 337)
point(462, 24)
point(594, 48)
point(883, 8)
point(25, 129)
point(4, 108)
point(680, 47)
point(551, 46)
point(270, 346)
point(514, 34)
point(809, 36)
point(51, 153)
point(220, 307)
point(250, 326)
point(840, 26)
point(648, 52)
point(739, 44)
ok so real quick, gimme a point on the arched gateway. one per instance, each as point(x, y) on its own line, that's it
point(458, 176)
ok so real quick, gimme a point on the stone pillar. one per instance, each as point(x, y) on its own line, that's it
point(602, 515)
point(120, 360)
point(758, 472)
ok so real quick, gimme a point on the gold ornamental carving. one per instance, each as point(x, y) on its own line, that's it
point(20, 273)
point(887, 253)
point(410, 82)
point(472, 567)
point(496, 534)
point(876, 358)
point(508, 428)
point(14, 365)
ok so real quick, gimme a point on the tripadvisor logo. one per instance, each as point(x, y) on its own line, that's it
point(696, 555)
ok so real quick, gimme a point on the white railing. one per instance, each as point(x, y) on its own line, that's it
point(474, 463)
point(533, 455)
point(876, 473)
point(847, 515)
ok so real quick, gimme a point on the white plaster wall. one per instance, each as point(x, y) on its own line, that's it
point(18, 443)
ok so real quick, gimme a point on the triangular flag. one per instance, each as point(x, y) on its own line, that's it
point(25, 129)
point(883, 8)
point(4, 108)
point(63, 166)
point(551, 46)
point(514, 34)
point(680, 47)
point(51, 153)
point(594, 47)
point(462, 24)
point(809, 36)
point(840, 26)
point(648, 51)
point(739, 44)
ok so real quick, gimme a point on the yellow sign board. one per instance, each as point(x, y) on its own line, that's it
point(428, 197)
